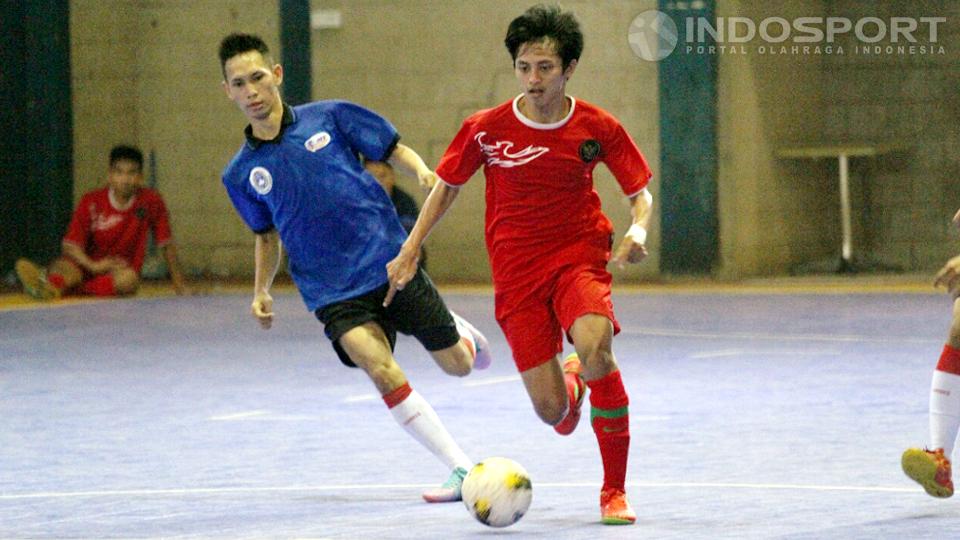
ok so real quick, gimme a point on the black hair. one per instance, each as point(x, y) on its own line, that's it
point(542, 22)
point(129, 153)
point(238, 43)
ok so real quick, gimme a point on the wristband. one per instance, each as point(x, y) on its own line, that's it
point(637, 233)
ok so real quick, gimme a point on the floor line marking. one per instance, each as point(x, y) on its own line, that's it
point(381, 487)
point(360, 397)
point(760, 352)
point(492, 380)
point(240, 415)
point(774, 337)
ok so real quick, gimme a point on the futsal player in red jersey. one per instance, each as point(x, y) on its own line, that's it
point(547, 239)
point(106, 241)
point(931, 467)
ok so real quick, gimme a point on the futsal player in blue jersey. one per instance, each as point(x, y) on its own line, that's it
point(298, 183)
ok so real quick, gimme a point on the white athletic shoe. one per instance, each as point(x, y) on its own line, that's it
point(449, 491)
point(483, 358)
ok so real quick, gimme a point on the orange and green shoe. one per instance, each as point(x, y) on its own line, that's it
point(615, 509)
point(930, 469)
point(574, 382)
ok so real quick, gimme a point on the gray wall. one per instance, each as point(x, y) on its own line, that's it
point(767, 101)
point(906, 200)
point(146, 72)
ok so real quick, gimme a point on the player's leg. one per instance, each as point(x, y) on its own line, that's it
point(945, 390)
point(931, 468)
point(609, 413)
point(369, 348)
point(535, 340)
point(64, 274)
point(119, 282)
point(46, 283)
point(125, 281)
point(548, 392)
point(361, 341)
point(583, 295)
point(455, 345)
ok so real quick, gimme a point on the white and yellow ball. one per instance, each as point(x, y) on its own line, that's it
point(497, 491)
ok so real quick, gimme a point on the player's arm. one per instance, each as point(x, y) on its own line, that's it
point(173, 266)
point(633, 248)
point(266, 254)
point(949, 276)
point(404, 266)
point(410, 162)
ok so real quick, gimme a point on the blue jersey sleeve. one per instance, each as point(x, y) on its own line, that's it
point(254, 212)
point(367, 132)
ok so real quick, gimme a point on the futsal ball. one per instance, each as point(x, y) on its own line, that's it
point(497, 491)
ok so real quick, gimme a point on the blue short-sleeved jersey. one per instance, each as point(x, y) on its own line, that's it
point(336, 222)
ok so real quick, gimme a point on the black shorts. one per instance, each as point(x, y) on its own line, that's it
point(417, 310)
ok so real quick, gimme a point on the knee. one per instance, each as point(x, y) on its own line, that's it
point(597, 362)
point(125, 282)
point(551, 409)
point(593, 339)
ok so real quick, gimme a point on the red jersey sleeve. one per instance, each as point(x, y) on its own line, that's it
point(78, 232)
point(462, 158)
point(160, 220)
point(624, 159)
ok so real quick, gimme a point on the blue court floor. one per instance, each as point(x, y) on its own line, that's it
point(753, 414)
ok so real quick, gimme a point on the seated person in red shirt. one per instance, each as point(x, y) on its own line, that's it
point(106, 241)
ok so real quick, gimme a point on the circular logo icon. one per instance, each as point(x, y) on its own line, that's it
point(261, 180)
point(652, 35)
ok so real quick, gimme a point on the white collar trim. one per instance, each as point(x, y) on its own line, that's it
point(537, 125)
point(116, 205)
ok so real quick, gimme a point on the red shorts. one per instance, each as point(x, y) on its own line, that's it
point(534, 318)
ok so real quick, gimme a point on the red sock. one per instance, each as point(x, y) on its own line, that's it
point(397, 395)
point(101, 285)
point(57, 281)
point(949, 360)
point(611, 424)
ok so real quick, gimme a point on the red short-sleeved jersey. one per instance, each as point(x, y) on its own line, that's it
point(540, 196)
point(102, 230)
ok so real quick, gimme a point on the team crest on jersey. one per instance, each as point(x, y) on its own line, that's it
point(317, 141)
point(261, 180)
point(499, 154)
point(589, 150)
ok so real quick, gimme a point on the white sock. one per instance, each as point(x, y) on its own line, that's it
point(944, 411)
point(421, 421)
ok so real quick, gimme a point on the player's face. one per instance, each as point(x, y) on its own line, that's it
point(253, 84)
point(540, 71)
point(124, 178)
